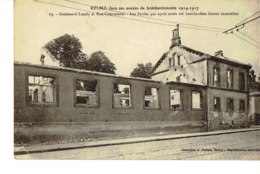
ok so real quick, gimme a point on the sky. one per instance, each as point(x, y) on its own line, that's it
point(127, 42)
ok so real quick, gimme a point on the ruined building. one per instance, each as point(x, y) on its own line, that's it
point(226, 82)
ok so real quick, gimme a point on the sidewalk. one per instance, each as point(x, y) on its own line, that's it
point(69, 146)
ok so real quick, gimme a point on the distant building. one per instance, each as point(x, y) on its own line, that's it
point(226, 81)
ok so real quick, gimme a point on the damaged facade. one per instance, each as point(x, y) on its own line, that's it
point(226, 81)
point(190, 91)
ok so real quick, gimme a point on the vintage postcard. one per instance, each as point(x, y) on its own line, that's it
point(137, 80)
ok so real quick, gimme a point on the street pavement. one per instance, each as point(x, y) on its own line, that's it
point(243, 145)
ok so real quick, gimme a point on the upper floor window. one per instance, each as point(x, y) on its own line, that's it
point(122, 96)
point(151, 99)
point(41, 89)
point(86, 92)
point(229, 79)
point(171, 62)
point(175, 100)
point(242, 106)
point(230, 105)
point(196, 98)
point(178, 60)
point(216, 77)
point(216, 102)
point(241, 81)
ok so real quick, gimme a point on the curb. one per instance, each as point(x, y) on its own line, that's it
point(136, 140)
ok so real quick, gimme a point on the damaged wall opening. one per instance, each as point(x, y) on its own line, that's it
point(122, 96)
point(175, 100)
point(241, 81)
point(216, 77)
point(86, 92)
point(242, 106)
point(151, 99)
point(230, 79)
point(196, 100)
point(41, 89)
point(230, 105)
point(216, 101)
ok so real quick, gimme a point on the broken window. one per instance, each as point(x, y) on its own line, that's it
point(229, 79)
point(196, 100)
point(216, 77)
point(216, 102)
point(230, 105)
point(241, 81)
point(122, 96)
point(175, 100)
point(151, 98)
point(41, 89)
point(86, 92)
point(242, 106)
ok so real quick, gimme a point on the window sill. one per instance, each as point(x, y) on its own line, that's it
point(152, 108)
point(86, 106)
point(43, 104)
point(126, 108)
point(197, 109)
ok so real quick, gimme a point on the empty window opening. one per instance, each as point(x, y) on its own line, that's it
point(86, 92)
point(196, 100)
point(230, 105)
point(242, 106)
point(229, 79)
point(175, 100)
point(151, 98)
point(41, 89)
point(241, 81)
point(122, 95)
point(216, 101)
point(216, 77)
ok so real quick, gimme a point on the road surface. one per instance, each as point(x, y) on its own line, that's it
point(233, 146)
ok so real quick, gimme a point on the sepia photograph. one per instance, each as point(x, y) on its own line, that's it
point(136, 80)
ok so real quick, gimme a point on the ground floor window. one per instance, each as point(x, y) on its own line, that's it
point(122, 96)
point(41, 89)
point(175, 99)
point(216, 102)
point(242, 106)
point(86, 92)
point(196, 100)
point(151, 100)
point(230, 105)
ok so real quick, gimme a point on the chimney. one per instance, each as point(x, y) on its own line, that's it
point(42, 59)
point(176, 40)
point(219, 53)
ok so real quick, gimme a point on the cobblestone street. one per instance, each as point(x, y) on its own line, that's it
point(233, 146)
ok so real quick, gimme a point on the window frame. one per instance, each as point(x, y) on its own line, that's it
point(232, 78)
point(56, 87)
point(242, 88)
point(217, 109)
point(201, 102)
point(219, 78)
point(159, 98)
point(181, 108)
point(78, 105)
point(242, 111)
point(233, 108)
point(122, 82)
